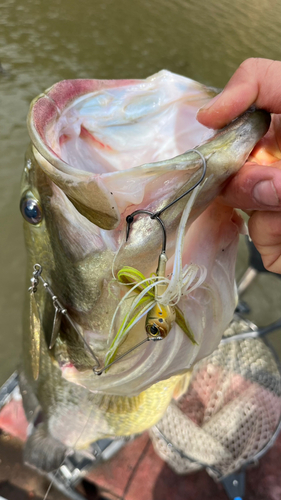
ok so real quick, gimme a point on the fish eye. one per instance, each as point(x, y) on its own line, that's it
point(30, 209)
point(160, 320)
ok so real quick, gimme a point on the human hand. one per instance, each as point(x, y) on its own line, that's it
point(256, 188)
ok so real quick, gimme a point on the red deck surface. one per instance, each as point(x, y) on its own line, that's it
point(137, 473)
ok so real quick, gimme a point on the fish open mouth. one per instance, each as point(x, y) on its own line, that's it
point(107, 149)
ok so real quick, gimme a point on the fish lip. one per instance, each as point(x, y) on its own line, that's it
point(245, 119)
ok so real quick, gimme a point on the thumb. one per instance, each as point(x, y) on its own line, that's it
point(255, 187)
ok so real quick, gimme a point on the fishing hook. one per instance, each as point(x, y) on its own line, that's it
point(156, 215)
point(130, 220)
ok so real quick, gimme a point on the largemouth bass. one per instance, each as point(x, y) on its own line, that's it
point(100, 151)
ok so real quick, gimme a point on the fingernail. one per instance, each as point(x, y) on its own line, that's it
point(210, 103)
point(265, 193)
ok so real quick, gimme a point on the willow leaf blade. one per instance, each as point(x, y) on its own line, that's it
point(180, 320)
point(35, 327)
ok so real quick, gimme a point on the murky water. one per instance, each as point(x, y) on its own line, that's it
point(44, 42)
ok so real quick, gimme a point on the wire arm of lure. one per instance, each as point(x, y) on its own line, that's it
point(59, 310)
point(204, 164)
point(99, 371)
point(130, 220)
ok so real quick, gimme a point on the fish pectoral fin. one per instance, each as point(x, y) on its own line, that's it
point(180, 320)
point(43, 451)
point(182, 385)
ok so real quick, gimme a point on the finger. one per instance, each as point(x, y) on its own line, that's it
point(256, 81)
point(265, 231)
point(268, 149)
point(255, 187)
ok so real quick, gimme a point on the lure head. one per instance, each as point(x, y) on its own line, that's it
point(159, 321)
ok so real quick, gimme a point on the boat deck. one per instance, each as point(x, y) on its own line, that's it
point(135, 473)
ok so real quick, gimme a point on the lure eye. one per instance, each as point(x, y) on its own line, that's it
point(30, 209)
point(154, 330)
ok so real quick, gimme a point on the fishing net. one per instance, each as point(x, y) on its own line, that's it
point(230, 412)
